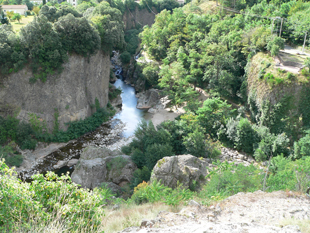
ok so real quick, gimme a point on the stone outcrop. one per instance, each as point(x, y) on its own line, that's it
point(138, 17)
point(148, 99)
point(70, 94)
point(101, 165)
point(186, 169)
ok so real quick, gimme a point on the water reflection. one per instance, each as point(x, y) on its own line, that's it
point(129, 114)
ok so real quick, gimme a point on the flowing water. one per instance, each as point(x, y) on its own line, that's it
point(129, 115)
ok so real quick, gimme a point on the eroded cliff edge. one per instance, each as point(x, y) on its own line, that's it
point(71, 94)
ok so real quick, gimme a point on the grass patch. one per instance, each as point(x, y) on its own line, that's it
point(131, 215)
point(304, 225)
point(23, 22)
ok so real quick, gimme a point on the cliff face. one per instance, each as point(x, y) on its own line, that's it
point(71, 93)
point(138, 17)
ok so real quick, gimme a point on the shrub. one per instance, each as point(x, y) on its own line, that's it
point(47, 199)
point(289, 175)
point(302, 147)
point(11, 158)
point(155, 192)
point(227, 179)
point(245, 137)
point(125, 57)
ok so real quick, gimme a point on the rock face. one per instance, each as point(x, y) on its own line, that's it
point(69, 94)
point(138, 17)
point(101, 165)
point(186, 169)
point(148, 99)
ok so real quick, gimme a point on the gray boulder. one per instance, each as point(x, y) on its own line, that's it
point(186, 169)
point(98, 165)
point(148, 99)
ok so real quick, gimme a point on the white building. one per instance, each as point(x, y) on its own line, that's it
point(21, 9)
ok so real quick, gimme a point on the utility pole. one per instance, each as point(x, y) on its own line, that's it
point(281, 27)
point(303, 47)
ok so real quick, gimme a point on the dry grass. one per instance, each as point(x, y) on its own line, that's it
point(304, 225)
point(24, 21)
point(208, 6)
point(131, 215)
point(203, 7)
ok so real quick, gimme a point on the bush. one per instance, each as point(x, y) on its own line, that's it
point(11, 158)
point(302, 147)
point(45, 200)
point(227, 179)
point(125, 57)
point(245, 136)
point(289, 175)
point(155, 192)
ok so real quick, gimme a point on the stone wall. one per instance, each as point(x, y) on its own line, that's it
point(71, 93)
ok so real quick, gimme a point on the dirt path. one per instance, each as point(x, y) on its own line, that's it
point(257, 212)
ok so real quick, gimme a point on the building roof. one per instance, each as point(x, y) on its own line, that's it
point(14, 7)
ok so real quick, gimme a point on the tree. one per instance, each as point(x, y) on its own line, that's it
point(10, 14)
point(36, 10)
point(17, 17)
point(28, 3)
point(195, 144)
point(274, 45)
point(3, 19)
point(109, 23)
point(302, 147)
point(213, 115)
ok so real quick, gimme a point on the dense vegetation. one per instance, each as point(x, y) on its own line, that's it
point(209, 51)
point(53, 202)
point(213, 52)
point(26, 135)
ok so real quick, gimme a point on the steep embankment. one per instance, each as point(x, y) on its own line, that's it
point(64, 97)
point(268, 82)
point(138, 17)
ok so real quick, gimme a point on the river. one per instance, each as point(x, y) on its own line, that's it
point(102, 136)
point(129, 114)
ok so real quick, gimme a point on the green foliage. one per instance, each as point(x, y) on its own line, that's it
point(228, 179)
point(198, 145)
point(245, 137)
point(155, 152)
point(11, 157)
point(274, 45)
point(302, 147)
point(17, 17)
point(155, 192)
point(125, 57)
point(213, 114)
point(289, 175)
point(81, 36)
point(110, 25)
point(44, 199)
point(53, 14)
point(150, 72)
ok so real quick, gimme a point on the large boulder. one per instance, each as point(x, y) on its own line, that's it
point(98, 165)
point(148, 99)
point(186, 169)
